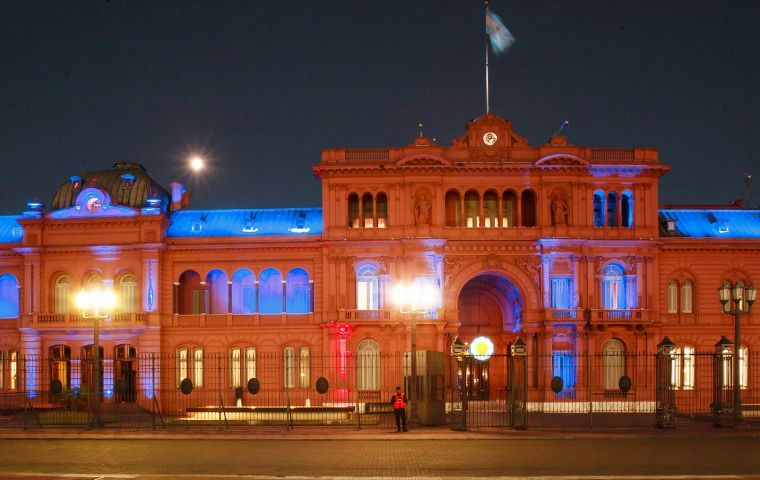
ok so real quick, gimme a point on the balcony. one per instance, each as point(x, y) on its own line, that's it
point(630, 316)
point(559, 315)
point(220, 320)
point(352, 315)
point(69, 320)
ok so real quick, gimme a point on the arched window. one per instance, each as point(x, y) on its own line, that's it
point(453, 209)
point(128, 293)
point(88, 366)
point(686, 297)
point(353, 210)
point(599, 208)
point(672, 296)
point(381, 210)
point(688, 368)
point(62, 296)
point(368, 365)
point(60, 364)
point(8, 296)
point(304, 367)
point(626, 209)
point(508, 208)
point(270, 291)
point(612, 205)
point(368, 214)
point(613, 364)
point(613, 288)
point(235, 367)
point(367, 287)
point(472, 208)
point(93, 281)
point(528, 208)
point(243, 292)
point(192, 295)
point(218, 291)
point(490, 209)
point(297, 291)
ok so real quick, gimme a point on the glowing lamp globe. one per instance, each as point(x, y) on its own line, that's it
point(197, 164)
point(481, 348)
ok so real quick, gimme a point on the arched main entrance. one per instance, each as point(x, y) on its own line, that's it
point(489, 305)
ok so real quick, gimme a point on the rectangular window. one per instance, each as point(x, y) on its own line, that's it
point(563, 366)
point(235, 367)
point(688, 368)
point(250, 363)
point(181, 365)
point(304, 373)
point(743, 367)
point(675, 369)
point(560, 293)
point(198, 367)
point(289, 361)
point(366, 293)
point(14, 370)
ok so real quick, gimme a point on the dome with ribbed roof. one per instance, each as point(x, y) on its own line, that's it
point(128, 184)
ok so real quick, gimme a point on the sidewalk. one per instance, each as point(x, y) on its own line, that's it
point(425, 433)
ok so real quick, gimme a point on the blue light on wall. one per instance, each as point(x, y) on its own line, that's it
point(9, 296)
point(563, 366)
point(245, 223)
point(706, 223)
point(10, 230)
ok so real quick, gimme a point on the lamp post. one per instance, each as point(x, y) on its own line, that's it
point(416, 301)
point(743, 297)
point(97, 304)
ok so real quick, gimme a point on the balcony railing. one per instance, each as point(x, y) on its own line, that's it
point(619, 316)
point(559, 314)
point(72, 319)
point(218, 320)
point(359, 315)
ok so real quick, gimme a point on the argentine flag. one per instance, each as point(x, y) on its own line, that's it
point(501, 38)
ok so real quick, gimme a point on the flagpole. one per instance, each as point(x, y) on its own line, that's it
point(488, 98)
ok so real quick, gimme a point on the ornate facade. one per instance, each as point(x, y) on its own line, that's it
point(564, 246)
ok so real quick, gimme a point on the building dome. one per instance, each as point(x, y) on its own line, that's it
point(128, 184)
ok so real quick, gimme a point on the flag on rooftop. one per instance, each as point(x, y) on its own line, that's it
point(500, 36)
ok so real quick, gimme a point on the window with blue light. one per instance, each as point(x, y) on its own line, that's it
point(598, 209)
point(9, 296)
point(613, 288)
point(563, 366)
point(297, 291)
point(217, 287)
point(560, 293)
point(243, 292)
point(270, 291)
point(612, 206)
point(367, 287)
point(626, 209)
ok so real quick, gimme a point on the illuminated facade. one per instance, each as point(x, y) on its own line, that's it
point(562, 245)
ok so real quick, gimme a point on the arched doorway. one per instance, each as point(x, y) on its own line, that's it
point(489, 305)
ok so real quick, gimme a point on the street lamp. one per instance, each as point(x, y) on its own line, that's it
point(743, 297)
point(416, 301)
point(96, 303)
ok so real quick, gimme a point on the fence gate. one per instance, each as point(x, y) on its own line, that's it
point(479, 395)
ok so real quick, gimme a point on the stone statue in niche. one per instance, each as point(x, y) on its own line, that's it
point(422, 210)
point(559, 211)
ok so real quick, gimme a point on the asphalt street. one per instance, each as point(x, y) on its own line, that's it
point(397, 456)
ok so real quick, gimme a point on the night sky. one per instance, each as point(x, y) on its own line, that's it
point(262, 87)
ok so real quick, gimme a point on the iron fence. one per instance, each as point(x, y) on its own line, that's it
point(298, 388)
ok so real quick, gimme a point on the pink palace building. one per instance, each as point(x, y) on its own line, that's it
point(564, 246)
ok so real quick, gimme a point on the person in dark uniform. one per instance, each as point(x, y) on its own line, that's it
point(398, 401)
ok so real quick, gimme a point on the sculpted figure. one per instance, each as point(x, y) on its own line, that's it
point(422, 211)
point(559, 212)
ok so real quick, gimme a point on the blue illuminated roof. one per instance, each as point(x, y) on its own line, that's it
point(245, 223)
point(717, 223)
point(10, 230)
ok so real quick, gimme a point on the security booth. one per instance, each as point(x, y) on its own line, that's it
point(428, 401)
point(723, 387)
point(518, 385)
point(666, 408)
point(457, 398)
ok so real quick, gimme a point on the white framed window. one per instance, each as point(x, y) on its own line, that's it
point(289, 365)
point(743, 367)
point(62, 294)
point(367, 288)
point(613, 288)
point(686, 297)
point(613, 364)
point(672, 297)
point(675, 368)
point(235, 367)
point(198, 367)
point(368, 365)
point(304, 368)
point(128, 293)
point(250, 364)
point(182, 362)
point(688, 367)
point(560, 293)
